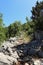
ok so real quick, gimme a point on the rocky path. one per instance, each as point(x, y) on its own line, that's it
point(12, 54)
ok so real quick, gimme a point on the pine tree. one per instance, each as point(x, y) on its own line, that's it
point(37, 15)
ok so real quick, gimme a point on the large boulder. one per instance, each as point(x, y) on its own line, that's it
point(8, 54)
point(7, 60)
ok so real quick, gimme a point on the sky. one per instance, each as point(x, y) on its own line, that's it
point(13, 10)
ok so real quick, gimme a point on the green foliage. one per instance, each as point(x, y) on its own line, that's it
point(14, 29)
point(28, 26)
point(37, 15)
point(2, 35)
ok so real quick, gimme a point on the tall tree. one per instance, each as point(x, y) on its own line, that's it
point(37, 15)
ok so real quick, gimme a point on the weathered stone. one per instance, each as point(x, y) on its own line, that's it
point(40, 54)
point(5, 59)
point(11, 53)
point(36, 61)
